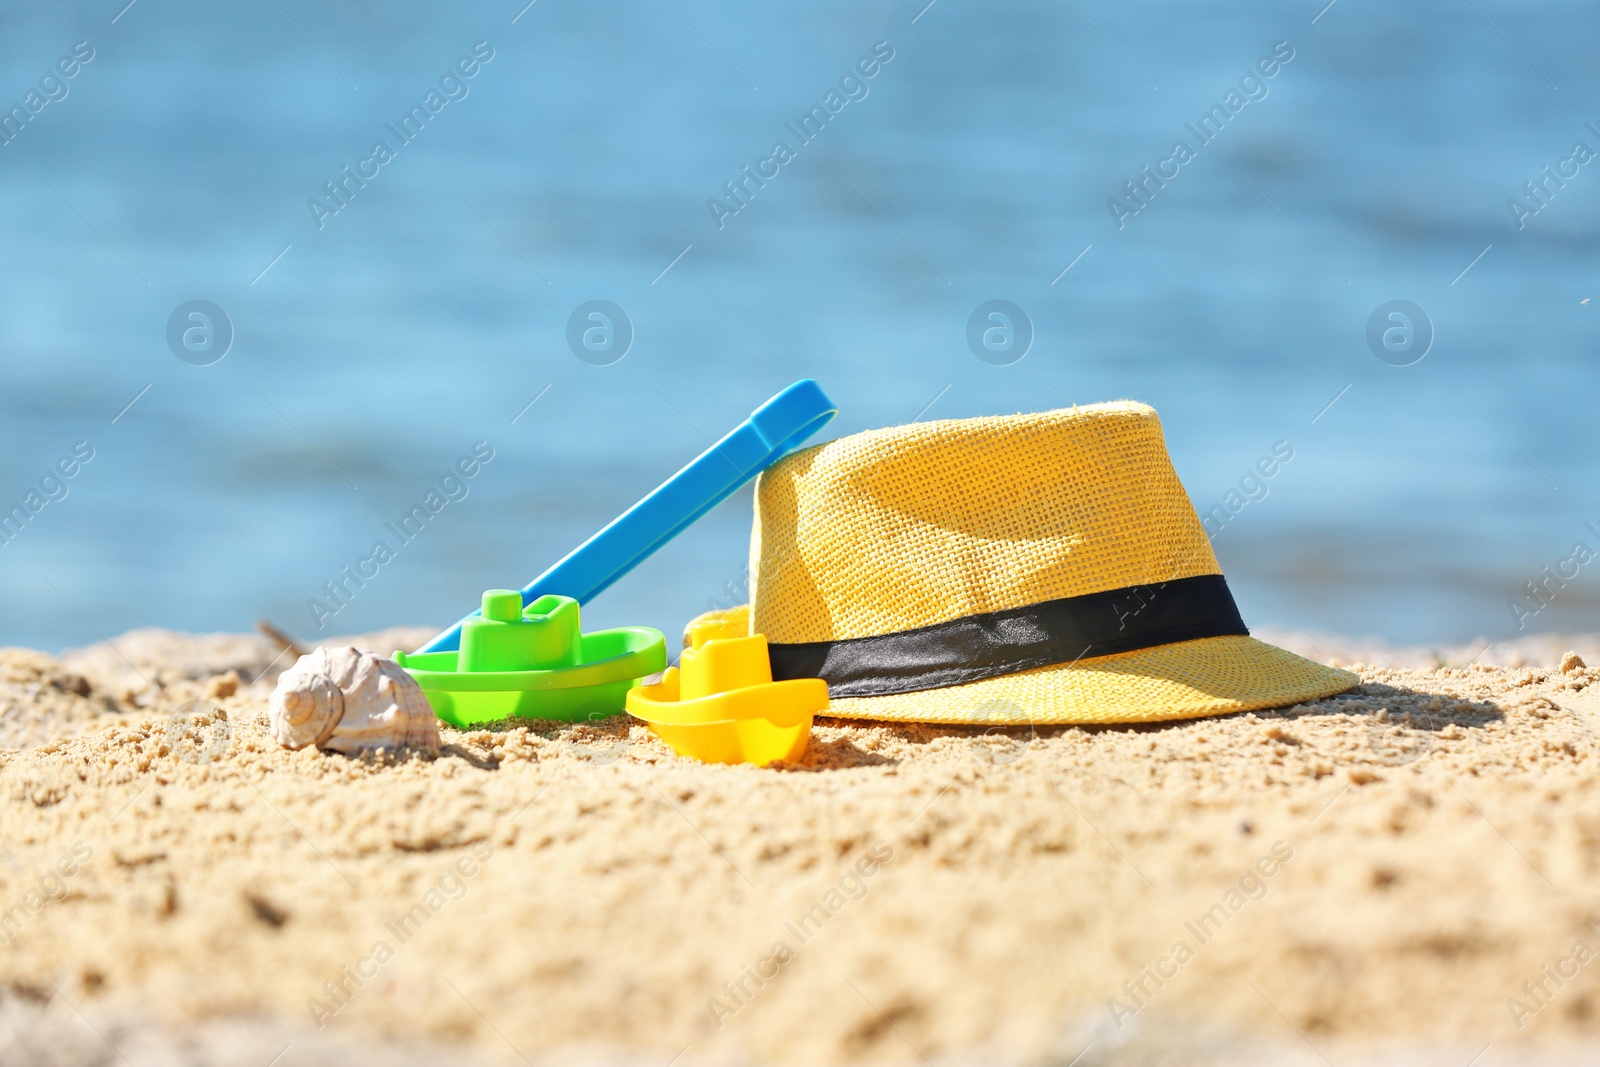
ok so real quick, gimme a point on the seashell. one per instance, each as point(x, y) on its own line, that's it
point(350, 700)
point(306, 705)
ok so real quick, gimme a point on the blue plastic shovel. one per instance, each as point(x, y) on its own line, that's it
point(772, 431)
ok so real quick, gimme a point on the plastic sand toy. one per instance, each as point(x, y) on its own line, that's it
point(771, 432)
point(720, 705)
point(535, 663)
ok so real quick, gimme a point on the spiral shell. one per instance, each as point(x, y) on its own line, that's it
point(306, 705)
point(350, 700)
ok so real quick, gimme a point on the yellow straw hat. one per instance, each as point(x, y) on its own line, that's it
point(1030, 568)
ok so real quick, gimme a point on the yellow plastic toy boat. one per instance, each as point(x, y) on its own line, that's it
point(720, 704)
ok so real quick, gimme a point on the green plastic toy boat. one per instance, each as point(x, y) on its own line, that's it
point(535, 663)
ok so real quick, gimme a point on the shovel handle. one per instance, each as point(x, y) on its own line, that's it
point(772, 431)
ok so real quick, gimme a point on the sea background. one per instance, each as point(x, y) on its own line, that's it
point(369, 355)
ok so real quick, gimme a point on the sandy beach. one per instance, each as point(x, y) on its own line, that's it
point(941, 366)
point(1400, 874)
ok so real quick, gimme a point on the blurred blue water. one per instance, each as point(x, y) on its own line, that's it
point(428, 312)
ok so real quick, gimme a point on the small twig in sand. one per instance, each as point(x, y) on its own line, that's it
point(287, 643)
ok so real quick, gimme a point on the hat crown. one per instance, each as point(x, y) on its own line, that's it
point(890, 530)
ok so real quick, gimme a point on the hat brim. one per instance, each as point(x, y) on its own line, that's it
point(1189, 679)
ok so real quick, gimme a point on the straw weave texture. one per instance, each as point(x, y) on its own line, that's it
point(1211, 676)
point(894, 529)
